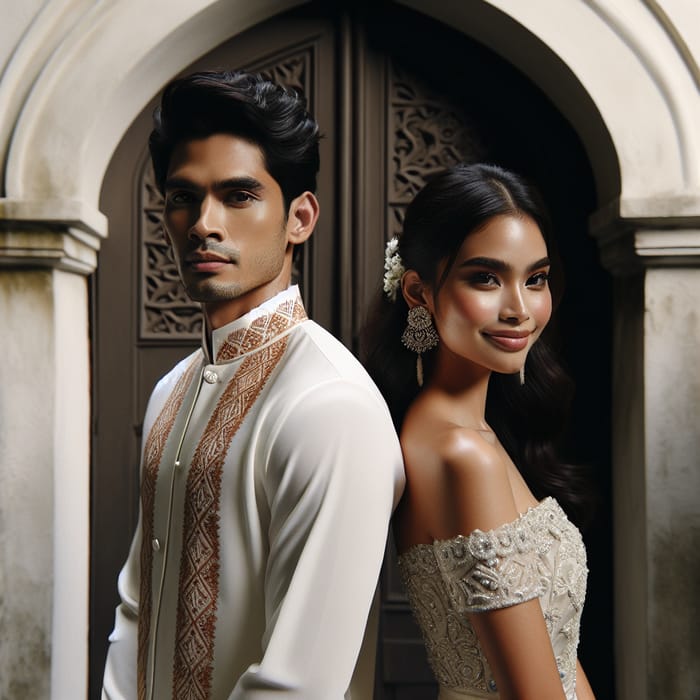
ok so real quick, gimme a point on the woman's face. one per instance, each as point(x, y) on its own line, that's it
point(495, 300)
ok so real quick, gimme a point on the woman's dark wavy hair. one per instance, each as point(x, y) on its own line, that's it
point(528, 420)
point(246, 105)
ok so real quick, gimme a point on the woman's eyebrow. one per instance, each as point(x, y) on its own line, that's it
point(543, 262)
point(491, 263)
point(502, 265)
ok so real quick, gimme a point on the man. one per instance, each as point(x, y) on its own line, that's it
point(270, 466)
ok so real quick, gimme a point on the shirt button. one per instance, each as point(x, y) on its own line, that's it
point(155, 544)
point(210, 376)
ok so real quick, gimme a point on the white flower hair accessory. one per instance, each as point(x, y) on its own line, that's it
point(394, 268)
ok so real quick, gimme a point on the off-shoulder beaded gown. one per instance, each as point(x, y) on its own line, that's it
point(540, 554)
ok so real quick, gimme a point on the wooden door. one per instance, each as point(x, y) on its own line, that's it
point(398, 97)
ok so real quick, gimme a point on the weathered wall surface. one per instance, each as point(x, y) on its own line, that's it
point(26, 484)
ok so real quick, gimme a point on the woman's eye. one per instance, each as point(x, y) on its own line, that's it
point(484, 279)
point(538, 280)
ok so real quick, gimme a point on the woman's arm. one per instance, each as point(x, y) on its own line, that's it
point(514, 638)
point(519, 652)
point(583, 687)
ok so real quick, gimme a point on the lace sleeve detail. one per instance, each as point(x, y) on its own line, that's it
point(490, 570)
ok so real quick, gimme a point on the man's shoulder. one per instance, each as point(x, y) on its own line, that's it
point(324, 358)
point(323, 404)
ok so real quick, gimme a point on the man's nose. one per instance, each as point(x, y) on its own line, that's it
point(209, 223)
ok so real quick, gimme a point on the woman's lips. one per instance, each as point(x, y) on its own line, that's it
point(510, 342)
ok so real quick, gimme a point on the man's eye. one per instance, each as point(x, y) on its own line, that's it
point(239, 197)
point(180, 198)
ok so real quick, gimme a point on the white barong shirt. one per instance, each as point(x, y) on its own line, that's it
point(269, 475)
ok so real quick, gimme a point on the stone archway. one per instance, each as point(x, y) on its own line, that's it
point(59, 134)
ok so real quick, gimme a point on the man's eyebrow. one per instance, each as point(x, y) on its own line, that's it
point(239, 183)
point(231, 183)
point(173, 183)
point(501, 265)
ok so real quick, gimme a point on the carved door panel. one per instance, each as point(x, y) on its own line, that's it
point(398, 97)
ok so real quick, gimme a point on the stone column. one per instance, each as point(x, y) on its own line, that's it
point(656, 459)
point(47, 249)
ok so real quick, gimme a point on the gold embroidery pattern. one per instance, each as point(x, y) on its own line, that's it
point(152, 455)
point(199, 565)
point(287, 315)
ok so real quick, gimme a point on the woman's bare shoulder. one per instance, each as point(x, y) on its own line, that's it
point(432, 438)
point(469, 449)
point(457, 477)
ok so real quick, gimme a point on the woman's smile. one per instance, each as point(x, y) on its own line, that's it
point(510, 341)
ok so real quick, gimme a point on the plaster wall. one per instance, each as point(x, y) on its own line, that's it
point(17, 16)
point(33, 31)
point(656, 442)
point(680, 20)
point(672, 380)
point(71, 487)
point(629, 484)
point(44, 484)
point(27, 403)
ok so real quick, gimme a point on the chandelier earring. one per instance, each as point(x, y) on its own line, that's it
point(521, 373)
point(420, 335)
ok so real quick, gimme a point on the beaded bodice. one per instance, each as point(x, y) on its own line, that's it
point(540, 554)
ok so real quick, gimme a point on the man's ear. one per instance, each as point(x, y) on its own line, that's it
point(302, 217)
point(415, 291)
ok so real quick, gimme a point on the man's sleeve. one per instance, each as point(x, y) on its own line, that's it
point(334, 475)
point(119, 681)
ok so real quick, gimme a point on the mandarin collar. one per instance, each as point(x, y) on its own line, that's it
point(258, 327)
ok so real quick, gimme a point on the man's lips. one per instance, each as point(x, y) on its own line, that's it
point(207, 265)
point(206, 261)
point(511, 341)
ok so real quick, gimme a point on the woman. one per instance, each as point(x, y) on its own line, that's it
point(494, 570)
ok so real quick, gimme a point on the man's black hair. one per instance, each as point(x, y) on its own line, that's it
point(246, 105)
